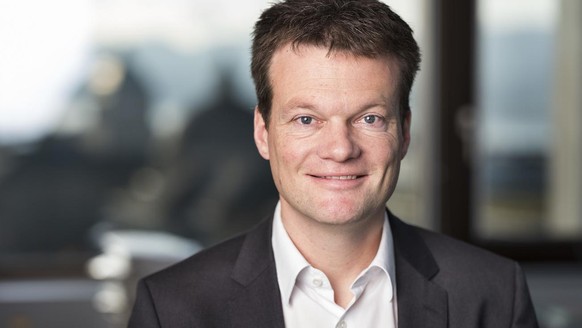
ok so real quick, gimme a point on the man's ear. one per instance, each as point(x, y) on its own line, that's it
point(261, 135)
point(406, 121)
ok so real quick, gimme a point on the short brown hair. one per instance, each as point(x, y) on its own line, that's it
point(367, 28)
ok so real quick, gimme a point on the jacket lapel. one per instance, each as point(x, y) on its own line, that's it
point(421, 302)
point(258, 302)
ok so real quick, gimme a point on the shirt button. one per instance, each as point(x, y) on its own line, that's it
point(317, 282)
point(342, 324)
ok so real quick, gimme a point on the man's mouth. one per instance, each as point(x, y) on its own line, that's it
point(340, 177)
point(337, 177)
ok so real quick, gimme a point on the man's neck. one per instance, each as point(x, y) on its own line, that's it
point(342, 252)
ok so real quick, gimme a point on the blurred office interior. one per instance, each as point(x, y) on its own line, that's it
point(126, 144)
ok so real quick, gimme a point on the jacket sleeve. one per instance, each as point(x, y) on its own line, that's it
point(524, 315)
point(144, 313)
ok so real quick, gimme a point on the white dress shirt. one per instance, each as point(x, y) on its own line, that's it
point(307, 296)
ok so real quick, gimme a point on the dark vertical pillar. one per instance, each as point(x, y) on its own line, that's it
point(456, 34)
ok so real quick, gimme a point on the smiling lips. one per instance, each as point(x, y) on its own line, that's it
point(337, 177)
point(340, 177)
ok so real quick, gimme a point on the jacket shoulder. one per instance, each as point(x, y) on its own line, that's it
point(214, 263)
point(453, 264)
point(481, 286)
point(197, 291)
point(193, 291)
point(450, 252)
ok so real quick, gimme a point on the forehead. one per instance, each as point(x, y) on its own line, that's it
point(310, 68)
point(288, 54)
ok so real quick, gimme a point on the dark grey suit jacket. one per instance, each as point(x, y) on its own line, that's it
point(440, 283)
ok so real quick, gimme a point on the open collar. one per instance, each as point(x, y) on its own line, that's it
point(290, 262)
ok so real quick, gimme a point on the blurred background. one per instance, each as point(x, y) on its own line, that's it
point(126, 144)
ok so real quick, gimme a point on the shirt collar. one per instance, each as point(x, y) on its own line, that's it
point(289, 261)
point(384, 258)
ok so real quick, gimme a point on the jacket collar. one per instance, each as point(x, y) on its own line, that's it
point(421, 302)
point(258, 302)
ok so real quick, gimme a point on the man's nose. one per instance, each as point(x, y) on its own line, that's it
point(337, 143)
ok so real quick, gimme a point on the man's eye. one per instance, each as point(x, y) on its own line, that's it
point(305, 120)
point(370, 119)
point(373, 121)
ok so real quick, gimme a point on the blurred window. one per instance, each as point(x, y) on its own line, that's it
point(528, 159)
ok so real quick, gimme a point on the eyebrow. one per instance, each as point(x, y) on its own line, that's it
point(296, 104)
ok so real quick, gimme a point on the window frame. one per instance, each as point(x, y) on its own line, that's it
point(455, 32)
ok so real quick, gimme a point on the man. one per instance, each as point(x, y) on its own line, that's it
point(333, 79)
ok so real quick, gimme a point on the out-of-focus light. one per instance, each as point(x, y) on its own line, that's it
point(111, 298)
point(106, 76)
point(109, 266)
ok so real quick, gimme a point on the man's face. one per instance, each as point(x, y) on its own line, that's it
point(334, 140)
